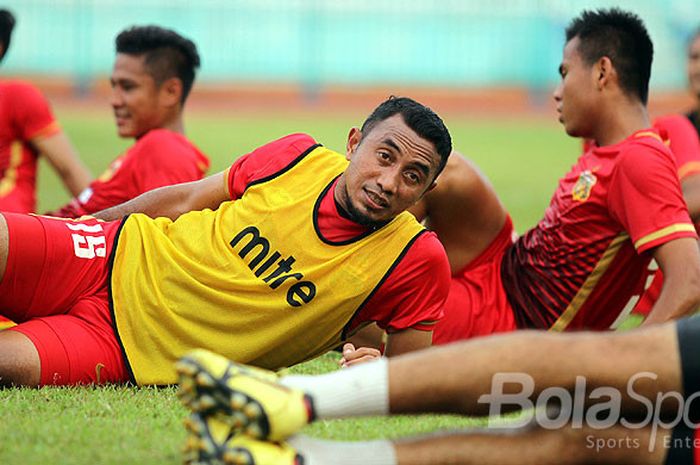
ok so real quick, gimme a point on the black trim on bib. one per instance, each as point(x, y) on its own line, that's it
point(352, 240)
point(285, 169)
point(410, 243)
point(111, 300)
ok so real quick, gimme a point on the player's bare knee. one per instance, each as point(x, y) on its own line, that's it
point(19, 360)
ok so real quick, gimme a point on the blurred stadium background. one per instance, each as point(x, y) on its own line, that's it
point(276, 66)
point(317, 44)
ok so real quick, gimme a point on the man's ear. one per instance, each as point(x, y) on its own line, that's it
point(354, 138)
point(605, 72)
point(171, 91)
point(431, 187)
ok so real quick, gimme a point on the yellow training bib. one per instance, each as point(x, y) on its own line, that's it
point(252, 280)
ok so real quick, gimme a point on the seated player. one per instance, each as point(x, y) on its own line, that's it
point(153, 74)
point(28, 129)
point(683, 133)
point(271, 262)
point(619, 206)
point(245, 415)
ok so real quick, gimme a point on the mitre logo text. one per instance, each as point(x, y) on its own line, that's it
point(249, 241)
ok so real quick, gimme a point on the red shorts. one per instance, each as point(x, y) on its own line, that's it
point(477, 304)
point(55, 288)
point(650, 295)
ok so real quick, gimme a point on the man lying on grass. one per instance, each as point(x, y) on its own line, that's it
point(271, 262)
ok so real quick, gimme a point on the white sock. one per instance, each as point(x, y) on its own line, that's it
point(322, 452)
point(349, 392)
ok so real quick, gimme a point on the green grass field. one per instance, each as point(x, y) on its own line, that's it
point(116, 425)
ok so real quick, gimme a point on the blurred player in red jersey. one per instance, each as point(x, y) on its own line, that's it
point(28, 129)
point(619, 206)
point(153, 74)
point(683, 133)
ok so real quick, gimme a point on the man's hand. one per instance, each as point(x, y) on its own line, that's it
point(353, 356)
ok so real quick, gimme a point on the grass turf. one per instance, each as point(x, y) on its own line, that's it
point(117, 425)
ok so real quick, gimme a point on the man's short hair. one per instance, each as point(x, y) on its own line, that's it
point(7, 23)
point(620, 36)
point(167, 54)
point(421, 119)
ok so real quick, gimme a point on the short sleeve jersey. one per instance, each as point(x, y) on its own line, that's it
point(587, 257)
point(160, 158)
point(683, 141)
point(24, 115)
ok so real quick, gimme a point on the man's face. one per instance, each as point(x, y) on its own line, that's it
point(694, 67)
point(136, 99)
point(576, 95)
point(390, 169)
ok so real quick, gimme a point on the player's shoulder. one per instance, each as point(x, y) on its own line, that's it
point(644, 143)
point(672, 121)
point(161, 135)
point(17, 85)
point(296, 143)
point(427, 248)
point(21, 91)
point(675, 128)
point(162, 142)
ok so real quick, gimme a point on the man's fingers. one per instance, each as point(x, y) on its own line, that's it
point(366, 358)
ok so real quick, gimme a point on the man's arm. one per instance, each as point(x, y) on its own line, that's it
point(173, 201)
point(691, 193)
point(398, 343)
point(467, 231)
point(407, 340)
point(64, 159)
point(679, 261)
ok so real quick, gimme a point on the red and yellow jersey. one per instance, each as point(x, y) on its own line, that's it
point(683, 141)
point(587, 257)
point(24, 115)
point(255, 280)
point(160, 158)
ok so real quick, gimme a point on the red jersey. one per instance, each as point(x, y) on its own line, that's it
point(159, 158)
point(684, 143)
point(413, 293)
point(582, 263)
point(24, 115)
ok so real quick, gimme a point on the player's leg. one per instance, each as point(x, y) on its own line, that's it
point(568, 446)
point(209, 441)
point(77, 348)
point(454, 377)
point(4, 322)
point(19, 362)
point(450, 379)
point(48, 266)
